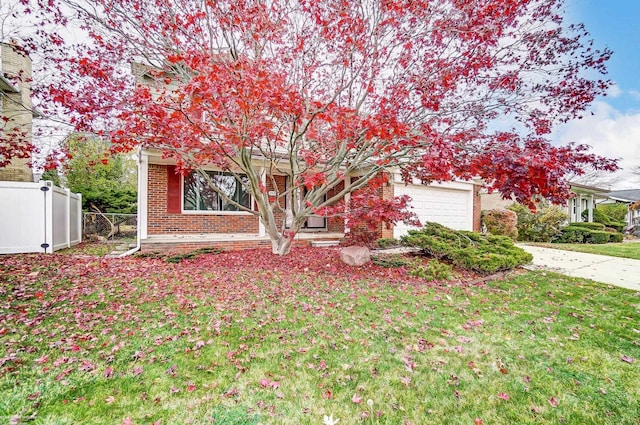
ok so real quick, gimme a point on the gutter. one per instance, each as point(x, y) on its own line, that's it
point(138, 231)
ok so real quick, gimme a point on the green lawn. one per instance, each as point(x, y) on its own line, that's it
point(624, 250)
point(246, 338)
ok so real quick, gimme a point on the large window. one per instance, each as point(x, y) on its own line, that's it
point(199, 196)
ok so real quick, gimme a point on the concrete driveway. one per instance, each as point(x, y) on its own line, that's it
point(621, 272)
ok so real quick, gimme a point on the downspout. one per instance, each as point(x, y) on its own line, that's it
point(138, 231)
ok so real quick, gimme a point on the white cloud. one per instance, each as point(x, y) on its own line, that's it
point(614, 90)
point(610, 133)
point(635, 94)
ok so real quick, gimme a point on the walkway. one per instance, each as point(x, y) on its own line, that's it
point(621, 272)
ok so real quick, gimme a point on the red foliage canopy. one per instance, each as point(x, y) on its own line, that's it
point(320, 90)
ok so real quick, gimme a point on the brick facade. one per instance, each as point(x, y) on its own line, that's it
point(161, 222)
point(166, 220)
point(477, 208)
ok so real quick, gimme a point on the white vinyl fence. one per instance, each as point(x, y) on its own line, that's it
point(38, 217)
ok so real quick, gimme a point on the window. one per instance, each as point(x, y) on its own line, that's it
point(199, 196)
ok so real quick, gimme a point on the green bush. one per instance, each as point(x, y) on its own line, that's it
point(591, 226)
point(467, 250)
point(573, 234)
point(391, 261)
point(616, 237)
point(598, 237)
point(541, 226)
point(385, 243)
point(616, 212)
point(607, 215)
point(587, 233)
point(501, 222)
point(435, 270)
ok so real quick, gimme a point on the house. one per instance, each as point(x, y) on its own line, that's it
point(178, 213)
point(628, 197)
point(16, 110)
point(586, 198)
point(583, 198)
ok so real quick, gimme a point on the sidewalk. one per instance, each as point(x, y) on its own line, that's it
point(621, 272)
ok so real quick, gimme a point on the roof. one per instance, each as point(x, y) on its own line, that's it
point(630, 195)
point(589, 190)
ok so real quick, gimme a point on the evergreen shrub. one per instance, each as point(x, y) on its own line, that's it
point(467, 250)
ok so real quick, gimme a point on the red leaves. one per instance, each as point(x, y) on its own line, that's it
point(266, 383)
point(108, 372)
point(627, 359)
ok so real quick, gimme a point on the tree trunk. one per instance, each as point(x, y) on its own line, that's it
point(281, 245)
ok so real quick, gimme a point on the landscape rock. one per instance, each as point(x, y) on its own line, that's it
point(355, 255)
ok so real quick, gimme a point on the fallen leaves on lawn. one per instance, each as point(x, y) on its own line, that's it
point(627, 359)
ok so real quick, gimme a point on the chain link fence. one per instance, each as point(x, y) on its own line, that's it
point(109, 226)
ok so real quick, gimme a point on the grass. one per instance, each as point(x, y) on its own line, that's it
point(624, 250)
point(243, 338)
point(98, 249)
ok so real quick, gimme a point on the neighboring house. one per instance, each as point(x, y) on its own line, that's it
point(583, 198)
point(586, 198)
point(178, 213)
point(628, 197)
point(16, 110)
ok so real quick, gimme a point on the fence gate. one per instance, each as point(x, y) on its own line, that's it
point(38, 217)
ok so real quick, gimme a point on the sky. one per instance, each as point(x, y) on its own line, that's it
point(614, 128)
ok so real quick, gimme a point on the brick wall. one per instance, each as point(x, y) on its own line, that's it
point(387, 192)
point(477, 208)
point(159, 221)
point(335, 224)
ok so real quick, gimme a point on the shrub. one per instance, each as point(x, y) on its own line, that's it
point(598, 237)
point(616, 237)
point(616, 212)
point(541, 226)
point(387, 243)
point(591, 226)
point(501, 222)
point(572, 234)
point(391, 261)
point(587, 233)
point(467, 250)
point(608, 216)
point(435, 270)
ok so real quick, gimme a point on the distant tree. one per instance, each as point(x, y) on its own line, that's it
point(324, 90)
point(106, 181)
point(52, 175)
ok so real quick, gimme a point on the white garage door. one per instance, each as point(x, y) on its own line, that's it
point(450, 204)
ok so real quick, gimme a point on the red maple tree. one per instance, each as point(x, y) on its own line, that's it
point(323, 90)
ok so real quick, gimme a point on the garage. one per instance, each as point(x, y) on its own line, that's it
point(448, 203)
